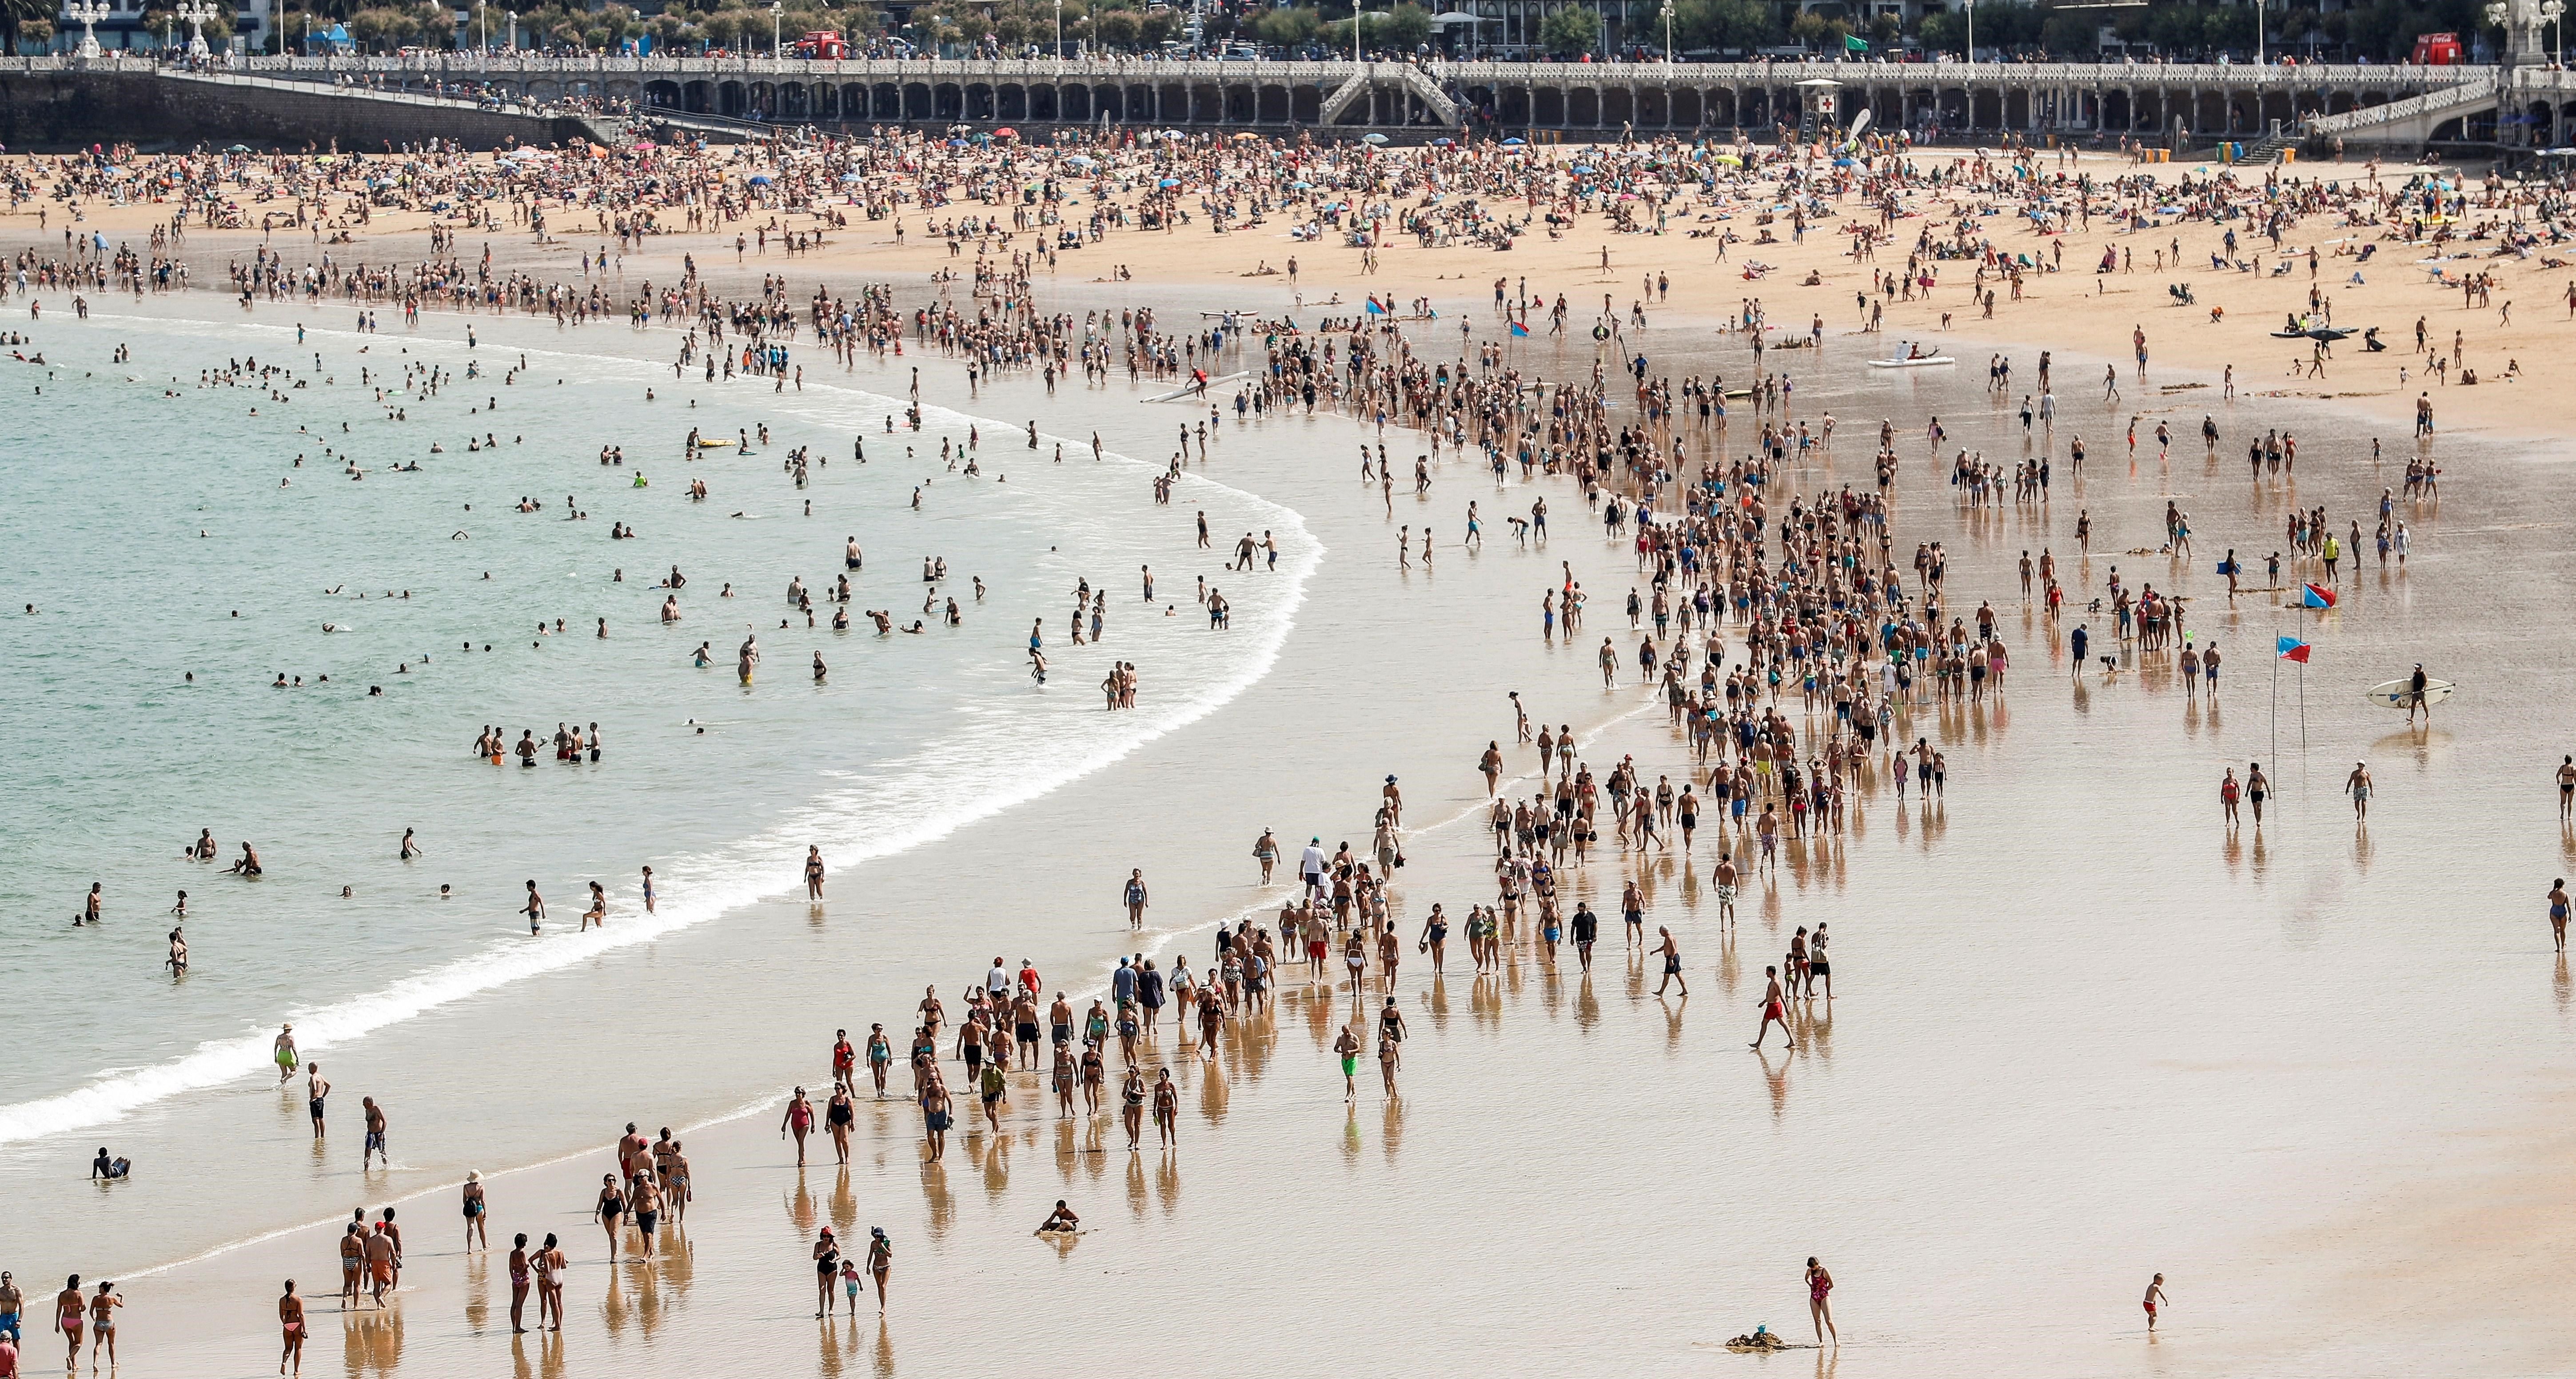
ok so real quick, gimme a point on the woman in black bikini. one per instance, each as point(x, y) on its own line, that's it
point(611, 1205)
point(827, 1266)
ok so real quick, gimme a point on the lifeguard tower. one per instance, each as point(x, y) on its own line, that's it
point(1820, 108)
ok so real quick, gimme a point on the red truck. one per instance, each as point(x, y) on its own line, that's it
point(2439, 50)
point(821, 45)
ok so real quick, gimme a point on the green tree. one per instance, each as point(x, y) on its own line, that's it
point(1405, 28)
point(380, 27)
point(1290, 28)
point(1570, 31)
point(1724, 25)
point(2070, 32)
point(721, 28)
point(1118, 29)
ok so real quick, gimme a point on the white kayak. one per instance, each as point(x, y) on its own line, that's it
point(2396, 693)
point(1911, 363)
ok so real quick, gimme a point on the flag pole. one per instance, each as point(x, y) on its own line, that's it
point(2303, 711)
point(2276, 688)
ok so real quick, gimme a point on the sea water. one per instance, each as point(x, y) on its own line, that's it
point(164, 530)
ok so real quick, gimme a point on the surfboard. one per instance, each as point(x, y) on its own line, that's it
point(1910, 363)
point(1189, 391)
point(2395, 693)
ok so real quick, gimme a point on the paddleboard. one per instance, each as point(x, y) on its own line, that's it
point(2394, 694)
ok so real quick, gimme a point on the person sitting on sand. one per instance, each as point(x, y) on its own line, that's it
point(1060, 1219)
point(110, 1169)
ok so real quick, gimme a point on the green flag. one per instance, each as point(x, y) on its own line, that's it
point(1852, 44)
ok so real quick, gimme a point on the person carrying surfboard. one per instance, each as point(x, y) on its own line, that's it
point(2415, 695)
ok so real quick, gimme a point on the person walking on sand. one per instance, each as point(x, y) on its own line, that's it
point(1347, 1048)
point(1672, 954)
point(880, 1261)
point(474, 1210)
point(69, 1310)
point(813, 873)
point(2357, 785)
point(1167, 1108)
point(379, 1248)
point(102, 1325)
point(2155, 1299)
point(1774, 1007)
point(1134, 896)
point(290, 1321)
point(1131, 1096)
point(1820, 1307)
point(798, 1121)
point(2558, 912)
point(827, 1267)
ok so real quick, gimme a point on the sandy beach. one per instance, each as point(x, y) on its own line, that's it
point(2084, 1032)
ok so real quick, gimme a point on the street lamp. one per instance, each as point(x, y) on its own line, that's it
point(777, 11)
point(1059, 36)
point(87, 13)
point(1668, 31)
point(195, 13)
point(1971, 8)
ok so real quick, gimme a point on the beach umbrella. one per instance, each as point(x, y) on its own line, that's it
point(1006, 132)
point(761, 180)
point(1515, 143)
point(238, 148)
point(1372, 138)
point(1444, 143)
point(1169, 182)
point(1582, 171)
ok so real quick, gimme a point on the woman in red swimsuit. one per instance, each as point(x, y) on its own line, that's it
point(1819, 1309)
